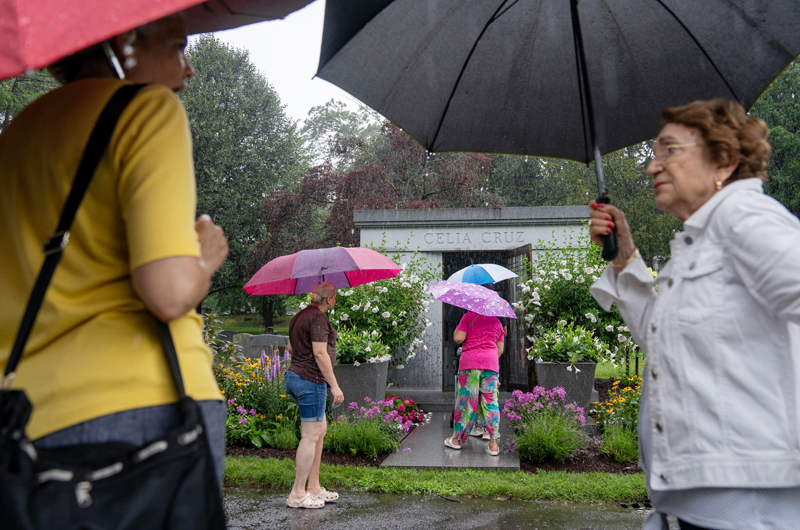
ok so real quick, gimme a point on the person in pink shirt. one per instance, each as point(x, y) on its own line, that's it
point(481, 338)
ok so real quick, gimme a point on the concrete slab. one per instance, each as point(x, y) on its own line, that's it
point(424, 448)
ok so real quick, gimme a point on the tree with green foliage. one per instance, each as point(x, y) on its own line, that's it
point(779, 107)
point(245, 148)
point(17, 92)
point(335, 133)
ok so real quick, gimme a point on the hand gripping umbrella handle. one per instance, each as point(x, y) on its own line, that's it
point(610, 246)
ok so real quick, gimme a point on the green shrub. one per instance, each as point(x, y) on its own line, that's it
point(621, 445)
point(368, 430)
point(545, 426)
point(555, 288)
point(622, 408)
point(285, 437)
point(352, 438)
point(395, 307)
point(550, 437)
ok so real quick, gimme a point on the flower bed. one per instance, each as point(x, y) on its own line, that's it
point(617, 419)
point(370, 430)
point(260, 413)
point(546, 428)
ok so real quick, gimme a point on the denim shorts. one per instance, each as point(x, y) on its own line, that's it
point(309, 396)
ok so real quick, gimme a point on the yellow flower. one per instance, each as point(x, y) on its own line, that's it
point(283, 395)
point(280, 416)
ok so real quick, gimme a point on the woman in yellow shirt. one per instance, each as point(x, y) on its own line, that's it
point(94, 367)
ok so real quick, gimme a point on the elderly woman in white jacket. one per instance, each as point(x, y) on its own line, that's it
point(719, 429)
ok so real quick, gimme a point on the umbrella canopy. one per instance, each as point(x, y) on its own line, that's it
point(343, 267)
point(36, 33)
point(482, 274)
point(472, 297)
point(504, 76)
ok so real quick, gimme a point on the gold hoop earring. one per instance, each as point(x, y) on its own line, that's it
point(719, 185)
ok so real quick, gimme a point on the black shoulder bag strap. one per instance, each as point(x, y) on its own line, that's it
point(54, 246)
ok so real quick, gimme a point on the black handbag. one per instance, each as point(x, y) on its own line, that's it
point(167, 484)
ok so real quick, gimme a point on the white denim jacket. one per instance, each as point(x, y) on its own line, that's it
point(722, 377)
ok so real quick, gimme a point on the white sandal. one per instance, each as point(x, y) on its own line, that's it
point(449, 443)
point(307, 502)
point(327, 496)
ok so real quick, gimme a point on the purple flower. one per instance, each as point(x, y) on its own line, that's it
point(242, 420)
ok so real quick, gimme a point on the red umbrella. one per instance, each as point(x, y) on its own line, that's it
point(343, 267)
point(36, 33)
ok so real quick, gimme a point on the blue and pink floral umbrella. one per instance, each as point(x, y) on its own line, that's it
point(472, 297)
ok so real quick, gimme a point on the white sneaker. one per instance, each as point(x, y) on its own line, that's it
point(486, 436)
point(478, 431)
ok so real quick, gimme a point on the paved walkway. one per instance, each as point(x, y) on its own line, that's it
point(424, 448)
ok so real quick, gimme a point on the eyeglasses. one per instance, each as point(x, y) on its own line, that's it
point(662, 152)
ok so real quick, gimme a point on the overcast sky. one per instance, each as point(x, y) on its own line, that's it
point(287, 53)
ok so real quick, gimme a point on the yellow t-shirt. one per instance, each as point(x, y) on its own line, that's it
point(94, 349)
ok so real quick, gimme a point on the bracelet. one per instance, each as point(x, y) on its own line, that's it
point(627, 261)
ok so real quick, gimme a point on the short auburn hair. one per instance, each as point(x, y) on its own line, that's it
point(732, 136)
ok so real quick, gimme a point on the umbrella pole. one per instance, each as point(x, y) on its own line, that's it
point(610, 246)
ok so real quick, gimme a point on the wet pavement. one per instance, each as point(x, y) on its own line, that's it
point(424, 448)
point(251, 509)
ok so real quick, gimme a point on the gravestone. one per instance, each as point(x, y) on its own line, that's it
point(253, 345)
point(227, 335)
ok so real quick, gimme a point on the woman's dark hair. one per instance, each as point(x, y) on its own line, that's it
point(732, 136)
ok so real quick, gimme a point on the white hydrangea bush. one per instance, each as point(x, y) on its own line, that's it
point(396, 308)
point(556, 289)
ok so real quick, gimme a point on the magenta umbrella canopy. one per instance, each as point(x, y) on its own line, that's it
point(472, 297)
point(343, 267)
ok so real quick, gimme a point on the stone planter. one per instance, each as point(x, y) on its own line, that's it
point(364, 380)
point(578, 386)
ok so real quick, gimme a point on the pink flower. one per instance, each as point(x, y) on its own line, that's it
point(408, 402)
point(401, 408)
point(242, 420)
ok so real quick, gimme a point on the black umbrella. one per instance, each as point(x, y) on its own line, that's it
point(551, 78)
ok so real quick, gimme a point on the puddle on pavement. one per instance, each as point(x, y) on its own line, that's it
point(252, 508)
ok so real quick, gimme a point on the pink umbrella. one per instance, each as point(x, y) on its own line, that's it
point(35, 33)
point(343, 267)
point(472, 297)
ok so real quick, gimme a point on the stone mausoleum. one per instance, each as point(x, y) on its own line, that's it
point(455, 238)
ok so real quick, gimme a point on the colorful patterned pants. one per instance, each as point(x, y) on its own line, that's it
point(477, 396)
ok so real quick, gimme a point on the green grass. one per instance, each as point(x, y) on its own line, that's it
point(545, 485)
point(606, 370)
point(252, 324)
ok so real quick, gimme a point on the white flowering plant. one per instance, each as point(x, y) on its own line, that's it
point(567, 343)
point(357, 347)
point(556, 288)
point(396, 308)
